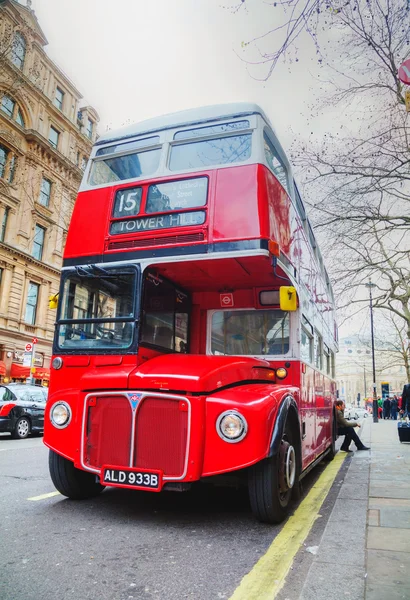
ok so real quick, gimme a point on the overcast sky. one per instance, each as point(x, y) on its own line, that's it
point(136, 59)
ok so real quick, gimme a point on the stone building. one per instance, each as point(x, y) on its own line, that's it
point(355, 370)
point(45, 140)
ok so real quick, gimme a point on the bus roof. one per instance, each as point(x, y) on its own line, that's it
point(184, 118)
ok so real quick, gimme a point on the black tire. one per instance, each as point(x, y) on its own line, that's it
point(269, 495)
point(22, 429)
point(72, 482)
point(332, 452)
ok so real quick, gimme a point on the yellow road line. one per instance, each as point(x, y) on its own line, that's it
point(44, 496)
point(268, 575)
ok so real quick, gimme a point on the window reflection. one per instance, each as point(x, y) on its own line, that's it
point(218, 151)
point(253, 332)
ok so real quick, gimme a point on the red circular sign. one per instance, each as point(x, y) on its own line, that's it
point(34, 340)
point(29, 347)
point(404, 72)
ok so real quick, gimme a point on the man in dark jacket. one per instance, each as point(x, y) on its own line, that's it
point(346, 428)
point(405, 399)
point(386, 408)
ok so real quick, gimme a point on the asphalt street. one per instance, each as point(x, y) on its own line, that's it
point(123, 545)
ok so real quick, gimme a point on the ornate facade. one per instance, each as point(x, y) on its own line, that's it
point(45, 140)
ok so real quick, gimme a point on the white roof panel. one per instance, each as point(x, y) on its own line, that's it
point(183, 118)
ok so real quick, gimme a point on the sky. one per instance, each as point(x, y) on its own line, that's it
point(137, 59)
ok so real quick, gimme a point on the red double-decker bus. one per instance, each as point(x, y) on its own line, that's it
point(195, 332)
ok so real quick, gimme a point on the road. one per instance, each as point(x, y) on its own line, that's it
point(122, 545)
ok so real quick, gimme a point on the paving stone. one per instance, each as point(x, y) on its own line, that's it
point(389, 491)
point(345, 551)
point(393, 502)
point(356, 491)
point(388, 567)
point(395, 517)
point(386, 538)
point(341, 581)
point(386, 592)
point(353, 511)
point(373, 517)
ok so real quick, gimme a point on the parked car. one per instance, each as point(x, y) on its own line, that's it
point(22, 409)
point(356, 413)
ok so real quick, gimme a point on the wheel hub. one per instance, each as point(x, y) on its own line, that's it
point(287, 472)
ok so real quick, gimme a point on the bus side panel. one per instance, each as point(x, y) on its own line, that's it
point(236, 206)
point(279, 206)
point(308, 416)
point(88, 226)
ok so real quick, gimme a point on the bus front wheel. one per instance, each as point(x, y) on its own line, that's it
point(271, 482)
point(72, 482)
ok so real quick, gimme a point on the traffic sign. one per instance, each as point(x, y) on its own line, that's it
point(404, 72)
point(35, 340)
point(29, 347)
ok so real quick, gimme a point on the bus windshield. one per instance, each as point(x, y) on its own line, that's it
point(250, 332)
point(97, 309)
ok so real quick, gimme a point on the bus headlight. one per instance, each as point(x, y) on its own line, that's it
point(231, 426)
point(60, 414)
point(57, 362)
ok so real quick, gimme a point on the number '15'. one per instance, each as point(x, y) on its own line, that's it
point(128, 201)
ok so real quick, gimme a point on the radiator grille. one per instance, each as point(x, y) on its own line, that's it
point(109, 432)
point(161, 436)
point(157, 241)
point(161, 431)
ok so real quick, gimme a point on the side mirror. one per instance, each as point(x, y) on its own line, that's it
point(53, 301)
point(288, 299)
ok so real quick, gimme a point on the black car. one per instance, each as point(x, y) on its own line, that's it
point(22, 409)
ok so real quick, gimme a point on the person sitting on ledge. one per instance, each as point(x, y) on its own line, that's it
point(346, 428)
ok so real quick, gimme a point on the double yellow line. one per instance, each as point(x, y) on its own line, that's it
point(268, 575)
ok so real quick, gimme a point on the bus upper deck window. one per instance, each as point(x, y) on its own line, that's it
point(211, 130)
point(274, 161)
point(130, 166)
point(205, 153)
point(128, 146)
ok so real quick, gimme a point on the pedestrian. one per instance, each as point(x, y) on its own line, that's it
point(405, 399)
point(386, 408)
point(346, 428)
point(394, 407)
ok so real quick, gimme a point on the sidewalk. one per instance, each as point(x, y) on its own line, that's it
point(364, 552)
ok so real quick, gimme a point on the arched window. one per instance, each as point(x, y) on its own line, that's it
point(7, 164)
point(18, 51)
point(12, 109)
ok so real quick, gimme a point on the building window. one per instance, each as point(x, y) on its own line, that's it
point(4, 224)
point(12, 168)
point(4, 152)
point(59, 97)
point(31, 306)
point(53, 137)
point(7, 105)
point(18, 51)
point(83, 163)
point(45, 192)
point(90, 126)
point(38, 242)
point(12, 110)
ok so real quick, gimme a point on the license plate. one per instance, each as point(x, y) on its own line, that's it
point(131, 478)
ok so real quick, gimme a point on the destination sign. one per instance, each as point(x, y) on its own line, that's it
point(177, 195)
point(160, 222)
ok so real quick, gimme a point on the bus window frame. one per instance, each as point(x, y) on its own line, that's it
point(270, 136)
point(132, 348)
point(166, 141)
point(268, 357)
point(163, 349)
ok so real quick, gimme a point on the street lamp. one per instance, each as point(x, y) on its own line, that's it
point(370, 286)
